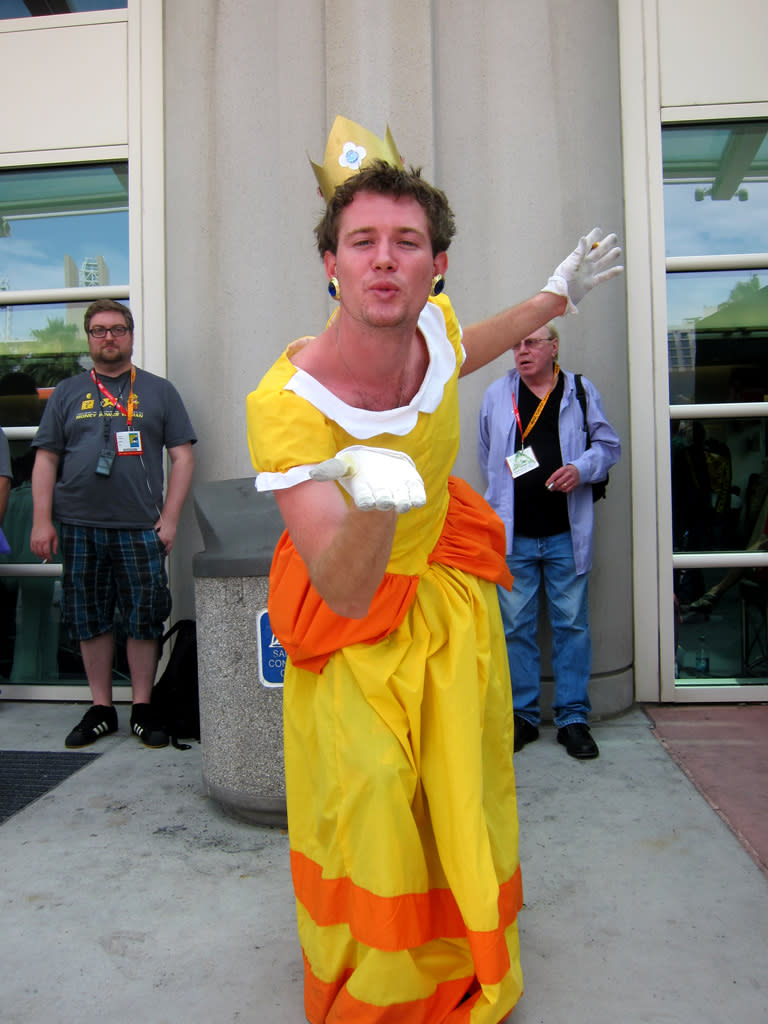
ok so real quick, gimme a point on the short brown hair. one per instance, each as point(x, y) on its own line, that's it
point(108, 306)
point(382, 178)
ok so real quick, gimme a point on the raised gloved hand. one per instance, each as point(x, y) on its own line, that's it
point(593, 261)
point(376, 478)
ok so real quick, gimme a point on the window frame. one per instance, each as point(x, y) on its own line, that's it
point(143, 148)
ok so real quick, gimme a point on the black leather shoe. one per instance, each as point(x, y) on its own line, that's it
point(577, 740)
point(524, 732)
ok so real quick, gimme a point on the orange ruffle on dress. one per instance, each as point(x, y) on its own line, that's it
point(398, 728)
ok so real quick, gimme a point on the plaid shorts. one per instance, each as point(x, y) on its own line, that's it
point(106, 570)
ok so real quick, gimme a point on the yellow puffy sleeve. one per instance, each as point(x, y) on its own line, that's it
point(284, 430)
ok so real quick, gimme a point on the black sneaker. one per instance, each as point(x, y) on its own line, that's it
point(145, 725)
point(98, 721)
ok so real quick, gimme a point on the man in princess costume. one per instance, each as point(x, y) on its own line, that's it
point(397, 704)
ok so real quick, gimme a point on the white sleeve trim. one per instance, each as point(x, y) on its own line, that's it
point(281, 481)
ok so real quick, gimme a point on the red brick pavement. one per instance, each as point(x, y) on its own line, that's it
point(723, 749)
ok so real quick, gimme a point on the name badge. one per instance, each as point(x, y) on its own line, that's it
point(522, 462)
point(128, 442)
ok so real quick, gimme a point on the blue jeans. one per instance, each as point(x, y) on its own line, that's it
point(550, 558)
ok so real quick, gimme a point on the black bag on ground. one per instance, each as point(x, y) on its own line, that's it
point(600, 486)
point(175, 695)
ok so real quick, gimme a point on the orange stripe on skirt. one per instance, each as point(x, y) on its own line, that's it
point(332, 1003)
point(407, 920)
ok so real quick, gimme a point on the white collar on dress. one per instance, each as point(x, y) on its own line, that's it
point(364, 423)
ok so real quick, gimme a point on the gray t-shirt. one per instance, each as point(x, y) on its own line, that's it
point(5, 456)
point(78, 423)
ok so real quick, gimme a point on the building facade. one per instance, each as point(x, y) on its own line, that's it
point(168, 140)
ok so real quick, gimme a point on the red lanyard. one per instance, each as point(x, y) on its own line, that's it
point(115, 402)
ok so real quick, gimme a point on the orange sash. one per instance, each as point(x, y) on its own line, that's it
point(472, 539)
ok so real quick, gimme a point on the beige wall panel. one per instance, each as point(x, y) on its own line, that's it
point(528, 144)
point(69, 87)
point(379, 71)
point(511, 106)
point(244, 106)
point(712, 52)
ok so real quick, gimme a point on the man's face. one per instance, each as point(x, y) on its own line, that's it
point(535, 355)
point(384, 260)
point(110, 352)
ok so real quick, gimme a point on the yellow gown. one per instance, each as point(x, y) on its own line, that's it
point(398, 729)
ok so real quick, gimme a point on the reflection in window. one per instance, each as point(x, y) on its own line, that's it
point(716, 205)
point(722, 638)
point(60, 227)
point(715, 188)
point(718, 349)
point(39, 8)
point(720, 503)
point(719, 483)
point(55, 349)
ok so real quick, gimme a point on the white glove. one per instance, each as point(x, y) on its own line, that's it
point(376, 478)
point(593, 261)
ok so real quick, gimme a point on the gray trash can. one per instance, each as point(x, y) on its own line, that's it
point(240, 663)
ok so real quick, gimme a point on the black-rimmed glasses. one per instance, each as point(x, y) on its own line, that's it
point(118, 331)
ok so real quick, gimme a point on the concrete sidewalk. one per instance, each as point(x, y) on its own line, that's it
point(127, 895)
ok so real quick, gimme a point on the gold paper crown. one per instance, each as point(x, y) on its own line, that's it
point(351, 147)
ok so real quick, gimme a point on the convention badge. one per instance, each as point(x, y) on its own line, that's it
point(128, 442)
point(522, 462)
point(104, 462)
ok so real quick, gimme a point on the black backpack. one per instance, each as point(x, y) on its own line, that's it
point(175, 695)
point(599, 488)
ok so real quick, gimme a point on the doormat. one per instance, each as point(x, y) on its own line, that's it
point(26, 775)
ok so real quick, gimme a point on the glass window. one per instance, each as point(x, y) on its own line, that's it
point(715, 188)
point(717, 337)
point(724, 643)
point(716, 218)
point(60, 227)
point(716, 205)
point(37, 8)
point(719, 483)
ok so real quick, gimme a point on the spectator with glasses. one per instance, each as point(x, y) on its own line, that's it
point(98, 476)
point(538, 466)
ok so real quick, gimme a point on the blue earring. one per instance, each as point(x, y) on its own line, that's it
point(438, 283)
point(333, 288)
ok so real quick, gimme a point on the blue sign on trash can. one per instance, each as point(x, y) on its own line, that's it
point(271, 654)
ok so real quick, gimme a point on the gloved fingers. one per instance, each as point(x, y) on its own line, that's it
point(410, 495)
point(334, 469)
point(383, 499)
point(600, 245)
point(606, 250)
point(606, 275)
point(375, 478)
point(402, 496)
point(602, 261)
point(367, 498)
point(593, 239)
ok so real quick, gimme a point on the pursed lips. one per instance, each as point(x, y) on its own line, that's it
point(385, 288)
